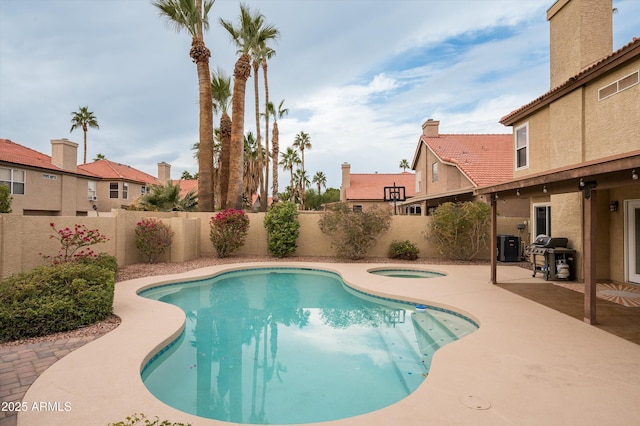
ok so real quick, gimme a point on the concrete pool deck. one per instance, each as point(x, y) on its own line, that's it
point(527, 364)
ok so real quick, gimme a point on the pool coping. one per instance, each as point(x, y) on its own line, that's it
point(527, 364)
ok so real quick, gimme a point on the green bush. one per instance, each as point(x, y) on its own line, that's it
point(460, 230)
point(354, 233)
point(102, 260)
point(74, 243)
point(5, 199)
point(228, 229)
point(405, 250)
point(56, 298)
point(282, 225)
point(152, 238)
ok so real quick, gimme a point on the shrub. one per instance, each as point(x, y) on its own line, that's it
point(142, 420)
point(405, 250)
point(5, 199)
point(102, 260)
point(152, 238)
point(354, 233)
point(54, 298)
point(75, 243)
point(282, 225)
point(460, 230)
point(228, 230)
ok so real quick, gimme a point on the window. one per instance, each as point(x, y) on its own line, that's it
point(522, 146)
point(143, 189)
point(542, 219)
point(113, 189)
point(49, 177)
point(414, 210)
point(619, 85)
point(357, 208)
point(418, 181)
point(125, 190)
point(434, 172)
point(92, 191)
point(13, 179)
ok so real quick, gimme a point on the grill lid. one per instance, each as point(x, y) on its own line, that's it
point(550, 242)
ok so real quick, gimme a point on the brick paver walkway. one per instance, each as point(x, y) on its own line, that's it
point(20, 365)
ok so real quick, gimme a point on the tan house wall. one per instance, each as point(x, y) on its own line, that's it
point(24, 239)
point(612, 125)
point(565, 130)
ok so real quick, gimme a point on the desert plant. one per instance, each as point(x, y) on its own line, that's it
point(282, 225)
point(142, 420)
point(460, 230)
point(102, 260)
point(228, 230)
point(54, 298)
point(74, 243)
point(405, 250)
point(354, 233)
point(5, 199)
point(153, 237)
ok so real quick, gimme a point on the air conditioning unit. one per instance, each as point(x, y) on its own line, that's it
point(92, 198)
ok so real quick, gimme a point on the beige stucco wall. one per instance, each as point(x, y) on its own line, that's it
point(612, 125)
point(565, 131)
point(23, 238)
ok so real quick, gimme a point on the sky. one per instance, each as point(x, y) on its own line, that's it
point(359, 76)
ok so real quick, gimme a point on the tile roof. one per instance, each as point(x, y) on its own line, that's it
point(12, 152)
point(186, 185)
point(370, 186)
point(107, 169)
point(485, 159)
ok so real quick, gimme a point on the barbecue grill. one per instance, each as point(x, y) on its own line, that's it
point(556, 261)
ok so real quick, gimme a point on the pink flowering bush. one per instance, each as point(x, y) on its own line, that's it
point(228, 230)
point(75, 243)
point(152, 238)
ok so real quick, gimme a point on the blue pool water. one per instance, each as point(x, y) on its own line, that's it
point(286, 345)
point(406, 273)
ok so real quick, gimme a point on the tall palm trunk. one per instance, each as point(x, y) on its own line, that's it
point(241, 73)
point(275, 154)
point(264, 195)
point(263, 201)
point(225, 156)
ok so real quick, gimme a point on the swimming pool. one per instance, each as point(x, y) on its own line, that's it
point(289, 345)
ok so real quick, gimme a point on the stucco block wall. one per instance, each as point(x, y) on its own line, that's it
point(567, 221)
point(23, 238)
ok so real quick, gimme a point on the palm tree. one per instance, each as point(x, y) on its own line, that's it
point(221, 94)
point(302, 142)
point(246, 37)
point(251, 166)
point(83, 119)
point(281, 112)
point(99, 157)
point(166, 198)
point(301, 181)
point(289, 159)
point(404, 165)
point(267, 54)
point(321, 180)
point(191, 15)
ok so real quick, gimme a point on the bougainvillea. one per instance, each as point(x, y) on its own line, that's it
point(152, 238)
point(228, 231)
point(75, 243)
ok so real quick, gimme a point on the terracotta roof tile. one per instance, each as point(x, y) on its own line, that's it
point(14, 153)
point(186, 185)
point(484, 159)
point(371, 186)
point(107, 169)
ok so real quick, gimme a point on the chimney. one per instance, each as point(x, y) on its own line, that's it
point(346, 181)
point(64, 154)
point(430, 128)
point(164, 173)
point(581, 33)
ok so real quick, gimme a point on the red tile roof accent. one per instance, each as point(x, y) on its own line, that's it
point(107, 169)
point(186, 185)
point(12, 152)
point(484, 159)
point(371, 186)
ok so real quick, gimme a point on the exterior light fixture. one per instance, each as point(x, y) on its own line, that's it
point(613, 206)
point(518, 192)
point(634, 174)
point(544, 189)
point(581, 183)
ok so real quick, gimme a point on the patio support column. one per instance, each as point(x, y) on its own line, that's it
point(494, 238)
point(590, 256)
